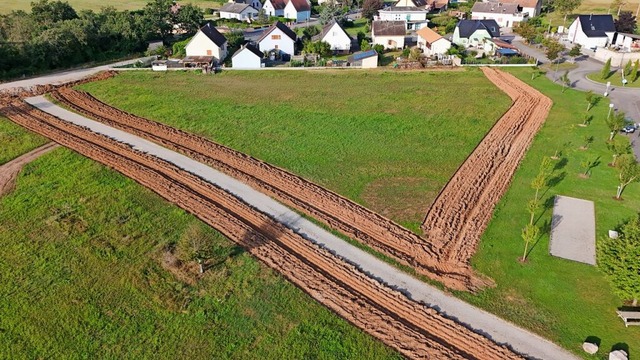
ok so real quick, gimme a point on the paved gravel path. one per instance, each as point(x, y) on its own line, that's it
point(573, 230)
point(495, 328)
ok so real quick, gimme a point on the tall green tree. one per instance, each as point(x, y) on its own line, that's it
point(331, 11)
point(566, 7)
point(159, 18)
point(619, 147)
point(48, 13)
point(525, 30)
point(620, 260)
point(189, 18)
point(370, 8)
point(626, 22)
point(591, 99)
point(606, 70)
point(633, 76)
point(553, 49)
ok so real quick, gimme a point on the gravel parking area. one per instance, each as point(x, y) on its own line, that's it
point(573, 230)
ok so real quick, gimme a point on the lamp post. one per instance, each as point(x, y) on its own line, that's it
point(609, 113)
point(606, 92)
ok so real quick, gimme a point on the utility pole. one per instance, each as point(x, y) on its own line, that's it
point(638, 9)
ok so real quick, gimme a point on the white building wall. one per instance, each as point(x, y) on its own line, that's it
point(245, 59)
point(412, 16)
point(290, 12)
point(201, 45)
point(503, 20)
point(577, 36)
point(389, 42)
point(246, 14)
point(370, 62)
point(337, 39)
point(284, 43)
point(440, 46)
point(269, 10)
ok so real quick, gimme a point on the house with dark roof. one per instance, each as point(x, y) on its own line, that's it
point(298, 10)
point(247, 57)
point(472, 33)
point(239, 11)
point(278, 39)
point(364, 59)
point(506, 15)
point(335, 36)
point(207, 45)
point(256, 4)
point(592, 31)
point(389, 34)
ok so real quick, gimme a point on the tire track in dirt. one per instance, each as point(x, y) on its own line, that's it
point(464, 207)
point(334, 210)
point(411, 328)
point(9, 171)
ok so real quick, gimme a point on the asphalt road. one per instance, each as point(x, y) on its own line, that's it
point(493, 327)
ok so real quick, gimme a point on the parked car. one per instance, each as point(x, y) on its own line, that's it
point(628, 129)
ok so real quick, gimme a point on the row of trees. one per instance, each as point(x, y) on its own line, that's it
point(54, 35)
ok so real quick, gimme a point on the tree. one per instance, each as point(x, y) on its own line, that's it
point(606, 70)
point(321, 48)
point(379, 48)
point(331, 11)
point(626, 22)
point(195, 244)
point(575, 51)
point(565, 7)
point(370, 8)
point(587, 165)
point(564, 79)
point(628, 172)
point(529, 234)
point(615, 123)
point(48, 13)
point(526, 30)
point(234, 38)
point(536, 72)
point(592, 99)
point(633, 76)
point(158, 18)
point(619, 148)
point(364, 45)
point(415, 54)
point(620, 260)
point(262, 18)
point(554, 48)
point(189, 18)
point(540, 181)
point(627, 68)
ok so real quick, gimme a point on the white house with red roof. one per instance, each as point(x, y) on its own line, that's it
point(298, 10)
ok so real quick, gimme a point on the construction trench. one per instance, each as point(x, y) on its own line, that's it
point(453, 225)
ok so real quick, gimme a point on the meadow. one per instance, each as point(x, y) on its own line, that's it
point(16, 141)
point(389, 141)
point(562, 300)
point(84, 274)
point(7, 6)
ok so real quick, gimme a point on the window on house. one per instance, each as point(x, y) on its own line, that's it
point(390, 42)
point(276, 47)
point(275, 37)
point(209, 52)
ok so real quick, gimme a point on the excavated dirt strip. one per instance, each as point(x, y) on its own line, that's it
point(334, 210)
point(411, 328)
point(463, 209)
point(9, 171)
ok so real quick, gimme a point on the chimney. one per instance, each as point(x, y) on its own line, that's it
point(590, 15)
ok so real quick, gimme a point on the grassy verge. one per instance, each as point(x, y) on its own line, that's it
point(387, 140)
point(81, 275)
point(562, 300)
point(615, 79)
point(16, 141)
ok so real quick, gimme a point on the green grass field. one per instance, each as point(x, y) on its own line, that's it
point(562, 300)
point(615, 79)
point(387, 140)
point(7, 6)
point(81, 276)
point(16, 141)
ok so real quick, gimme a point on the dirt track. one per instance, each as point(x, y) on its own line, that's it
point(336, 211)
point(9, 171)
point(461, 212)
point(411, 328)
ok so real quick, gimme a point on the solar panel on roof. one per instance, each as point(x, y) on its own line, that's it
point(364, 55)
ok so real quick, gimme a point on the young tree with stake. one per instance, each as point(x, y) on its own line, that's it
point(628, 172)
point(591, 99)
point(615, 123)
point(618, 147)
point(529, 234)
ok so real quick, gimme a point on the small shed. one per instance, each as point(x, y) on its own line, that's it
point(247, 57)
point(364, 59)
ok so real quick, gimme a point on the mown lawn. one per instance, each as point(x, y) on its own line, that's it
point(562, 300)
point(6, 6)
point(615, 78)
point(388, 140)
point(16, 141)
point(81, 276)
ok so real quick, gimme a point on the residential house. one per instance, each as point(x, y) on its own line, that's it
point(473, 33)
point(420, 4)
point(299, 10)
point(415, 17)
point(431, 42)
point(256, 4)
point(506, 15)
point(278, 38)
point(207, 45)
point(239, 11)
point(335, 36)
point(628, 42)
point(437, 6)
point(274, 7)
point(530, 7)
point(592, 31)
point(389, 34)
point(247, 57)
point(364, 59)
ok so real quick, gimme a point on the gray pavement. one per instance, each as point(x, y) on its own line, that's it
point(495, 328)
point(573, 230)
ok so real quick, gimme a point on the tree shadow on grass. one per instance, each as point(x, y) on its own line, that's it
point(593, 340)
point(621, 346)
point(544, 229)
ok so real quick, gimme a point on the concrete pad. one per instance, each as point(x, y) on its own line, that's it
point(573, 230)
